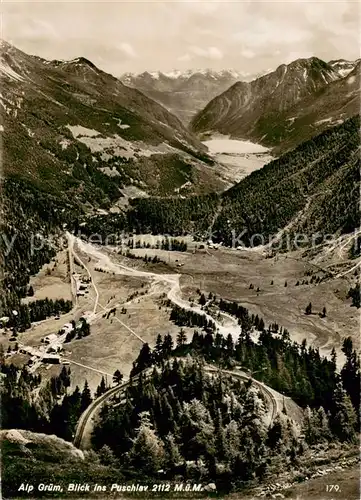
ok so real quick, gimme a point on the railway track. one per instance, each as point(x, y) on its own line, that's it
point(87, 415)
point(91, 410)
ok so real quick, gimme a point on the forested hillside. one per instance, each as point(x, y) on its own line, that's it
point(31, 225)
point(189, 423)
point(321, 176)
point(314, 188)
point(72, 128)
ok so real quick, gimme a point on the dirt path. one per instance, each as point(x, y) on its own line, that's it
point(170, 281)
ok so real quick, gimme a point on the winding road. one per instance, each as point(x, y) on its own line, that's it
point(170, 280)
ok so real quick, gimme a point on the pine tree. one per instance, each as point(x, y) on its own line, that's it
point(158, 349)
point(86, 398)
point(309, 309)
point(173, 458)
point(202, 300)
point(343, 421)
point(147, 452)
point(231, 441)
point(117, 377)
point(168, 345)
point(350, 373)
point(101, 388)
point(181, 338)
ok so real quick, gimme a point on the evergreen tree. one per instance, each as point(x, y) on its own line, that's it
point(202, 300)
point(147, 452)
point(101, 388)
point(86, 398)
point(173, 458)
point(181, 338)
point(343, 421)
point(107, 456)
point(117, 377)
point(350, 373)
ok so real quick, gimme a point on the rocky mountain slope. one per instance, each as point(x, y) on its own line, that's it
point(264, 110)
point(70, 128)
point(329, 106)
point(183, 93)
point(343, 66)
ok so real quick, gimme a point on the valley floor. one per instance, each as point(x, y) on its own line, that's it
point(137, 291)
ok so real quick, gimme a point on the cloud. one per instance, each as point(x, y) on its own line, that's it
point(207, 52)
point(248, 53)
point(135, 35)
point(127, 49)
point(184, 58)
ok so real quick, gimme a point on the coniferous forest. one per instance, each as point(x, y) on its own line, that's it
point(263, 202)
point(178, 417)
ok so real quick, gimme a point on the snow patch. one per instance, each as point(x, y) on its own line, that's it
point(80, 131)
point(351, 79)
point(110, 172)
point(115, 145)
point(28, 130)
point(9, 72)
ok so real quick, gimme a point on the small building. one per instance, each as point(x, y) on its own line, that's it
point(68, 327)
point(50, 338)
point(54, 348)
point(51, 359)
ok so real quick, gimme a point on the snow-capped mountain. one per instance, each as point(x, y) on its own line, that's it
point(343, 66)
point(184, 92)
point(183, 75)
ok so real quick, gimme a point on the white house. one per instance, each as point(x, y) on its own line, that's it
point(50, 338)
point(68, 327)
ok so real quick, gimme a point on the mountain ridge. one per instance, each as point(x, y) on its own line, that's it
point(249, 110)
point(80, 127)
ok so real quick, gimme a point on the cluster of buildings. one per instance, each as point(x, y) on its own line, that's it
point(81, 284)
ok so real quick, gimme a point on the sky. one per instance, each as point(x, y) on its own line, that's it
point(134, 36)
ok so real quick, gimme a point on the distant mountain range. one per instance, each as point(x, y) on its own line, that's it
point(70, 128)
point(285, 107)
point(184, 92)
